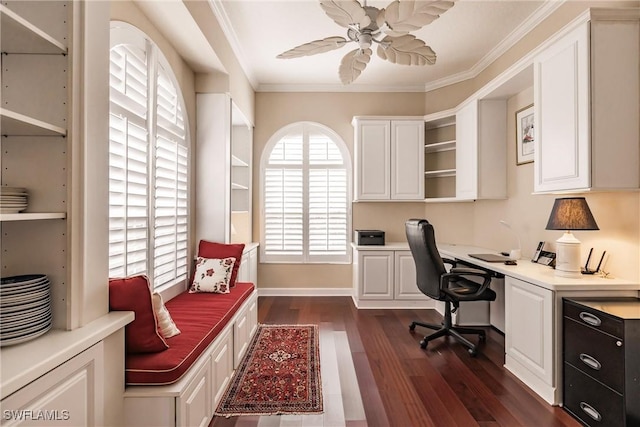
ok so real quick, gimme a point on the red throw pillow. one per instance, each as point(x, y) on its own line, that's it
point(222, 250)
point(133, 294)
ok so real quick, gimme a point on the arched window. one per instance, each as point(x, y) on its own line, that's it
point(306, 194)
point(148, 162)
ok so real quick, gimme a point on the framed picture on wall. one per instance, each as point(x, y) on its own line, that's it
point(524, 135)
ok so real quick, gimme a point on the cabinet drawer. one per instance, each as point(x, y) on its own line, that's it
point(594, 353)
point(594, 318)
point(590, 401)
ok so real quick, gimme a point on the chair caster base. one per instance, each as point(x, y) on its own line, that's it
point(483, 337)
point(473, 352)
point(412, 327)
point(423, 344)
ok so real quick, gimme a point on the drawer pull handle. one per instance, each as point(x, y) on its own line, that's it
point(590, 361)
point(590, 410)
point(590, 319)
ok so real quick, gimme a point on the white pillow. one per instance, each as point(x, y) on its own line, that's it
point(212, 275)
point(166, 325)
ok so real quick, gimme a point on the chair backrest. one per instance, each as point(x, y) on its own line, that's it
point(429, 265)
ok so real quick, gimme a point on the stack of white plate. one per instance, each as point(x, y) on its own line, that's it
point(12, 199)
point(25, 308)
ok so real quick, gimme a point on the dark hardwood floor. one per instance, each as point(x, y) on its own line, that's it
point(403, 385)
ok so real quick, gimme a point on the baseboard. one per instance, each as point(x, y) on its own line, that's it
point(305, 292)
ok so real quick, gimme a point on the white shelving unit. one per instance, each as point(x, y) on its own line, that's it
point(241, 176)
point(35, 149)
point(440, 157)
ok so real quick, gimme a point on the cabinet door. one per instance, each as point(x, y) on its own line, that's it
point(195, 408)
point(562, 114)
point(407, 160)
point(375, 274)
point(529, 329)
point(467, 152)
point(373, 165)
point(69, 395)
point(405, 277)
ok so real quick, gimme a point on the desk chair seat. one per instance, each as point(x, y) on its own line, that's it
point(452, 287)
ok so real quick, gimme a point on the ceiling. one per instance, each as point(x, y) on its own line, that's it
point(466, 39)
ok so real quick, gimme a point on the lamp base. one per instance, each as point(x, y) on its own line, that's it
point(568, 256)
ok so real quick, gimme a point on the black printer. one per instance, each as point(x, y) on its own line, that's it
point(369, 237)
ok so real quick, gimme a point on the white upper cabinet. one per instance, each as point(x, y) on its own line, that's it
point(586, 103)
point(389, 157)
point(481, 164)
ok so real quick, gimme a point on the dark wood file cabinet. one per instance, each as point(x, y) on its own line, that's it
point(601, 353)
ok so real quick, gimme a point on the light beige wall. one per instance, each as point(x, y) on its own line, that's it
point(335, 110)
point(617, 214)
point(237, 83)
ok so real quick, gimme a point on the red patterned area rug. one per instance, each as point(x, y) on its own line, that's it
point(279, 374)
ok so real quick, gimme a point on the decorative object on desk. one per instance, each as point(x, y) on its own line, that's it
point(514, 253)
point(570, 213)
point(586, 269)
point(524, 135)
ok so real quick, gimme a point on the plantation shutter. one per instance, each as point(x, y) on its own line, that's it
point(283, 199)
point(128, 162)
point(305, 199)
point(170, 190)
point(327, 199)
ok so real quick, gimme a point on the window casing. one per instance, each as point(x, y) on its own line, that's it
point(305, 196)
point(148, 163)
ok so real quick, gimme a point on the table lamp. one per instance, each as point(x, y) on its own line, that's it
point(570, 213)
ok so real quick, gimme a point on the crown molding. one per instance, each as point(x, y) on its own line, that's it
point(338, 88)
point(232, 38)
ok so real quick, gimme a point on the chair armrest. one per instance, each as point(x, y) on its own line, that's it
point(460, 273)
point(450, 261)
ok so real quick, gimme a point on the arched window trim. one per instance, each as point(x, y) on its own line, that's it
point(124, 33)
point(306, 258)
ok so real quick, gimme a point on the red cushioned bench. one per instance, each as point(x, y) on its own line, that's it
point(200, 318)
point(181, 385)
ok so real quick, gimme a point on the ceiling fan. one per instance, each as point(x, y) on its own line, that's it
point(389, 28)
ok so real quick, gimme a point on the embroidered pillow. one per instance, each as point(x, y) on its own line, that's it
point(212, 275)
point(166, 325)
point(133, 294)
point(208, 249)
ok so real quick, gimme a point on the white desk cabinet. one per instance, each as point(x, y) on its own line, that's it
point(529, 332)
point(389, 159)
point(385, 277)
point(586, 93)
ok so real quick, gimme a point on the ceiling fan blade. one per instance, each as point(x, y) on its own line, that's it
point(353, 64)
point(406, 50)
point(346, 13)
point(401, 17)
point(314, 47)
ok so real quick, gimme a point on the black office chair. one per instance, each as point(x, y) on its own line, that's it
point(451, 287)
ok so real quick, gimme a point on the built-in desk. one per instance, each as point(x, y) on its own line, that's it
point(533, 315)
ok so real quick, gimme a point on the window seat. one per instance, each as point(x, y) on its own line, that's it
point(182, 385)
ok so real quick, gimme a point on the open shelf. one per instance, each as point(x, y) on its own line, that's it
point(236, 186)
point(16, 124)
point(20, 36)
point(438, 147)
point(440, 173)
point(32, 216)
point(236, 161)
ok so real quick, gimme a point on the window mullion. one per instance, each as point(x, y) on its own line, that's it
point(305, 193)
point(151, 140)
